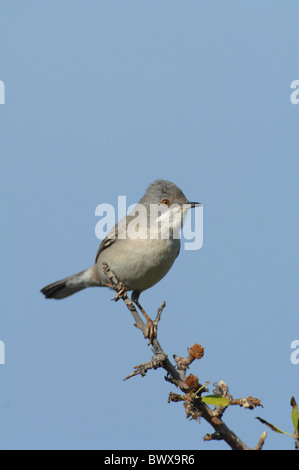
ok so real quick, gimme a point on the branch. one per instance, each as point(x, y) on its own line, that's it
point(194, 406)
point(121, 293)
point(156, 361)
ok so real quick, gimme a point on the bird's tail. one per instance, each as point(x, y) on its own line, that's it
point(72, 284)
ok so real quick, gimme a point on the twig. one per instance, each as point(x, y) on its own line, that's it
point(195, 352)
point(122, 293)
point(154, 363)
point(215, 436)
point(261, 442)
point(222, 390)
point(159, 313)
point(249, 402)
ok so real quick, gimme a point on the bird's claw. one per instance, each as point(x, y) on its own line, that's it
point(150, 331)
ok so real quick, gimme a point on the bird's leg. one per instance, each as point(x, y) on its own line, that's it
point(151, 328)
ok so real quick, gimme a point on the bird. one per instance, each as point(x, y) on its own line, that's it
point(139, 261)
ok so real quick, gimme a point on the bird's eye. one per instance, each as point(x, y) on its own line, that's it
point(166, 202)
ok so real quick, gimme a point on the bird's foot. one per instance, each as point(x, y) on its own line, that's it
point(150, 331)
point(121, 291)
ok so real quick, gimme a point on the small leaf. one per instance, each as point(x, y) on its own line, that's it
point(274, 428)
point(295, 414)
point(215, 400)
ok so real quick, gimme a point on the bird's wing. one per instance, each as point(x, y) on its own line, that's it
point(119, 229)
point(104, 244)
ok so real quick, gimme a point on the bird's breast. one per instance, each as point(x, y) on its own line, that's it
point(139, 263)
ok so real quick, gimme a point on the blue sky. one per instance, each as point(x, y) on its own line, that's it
point(102, 98)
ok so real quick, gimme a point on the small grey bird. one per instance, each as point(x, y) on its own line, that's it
point(139, 261)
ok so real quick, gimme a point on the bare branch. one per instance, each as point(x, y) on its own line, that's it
point(122, 293)
point(249, 402)
point(154, 363)
point(194, 406)
point(159, 313)
point(215, 436)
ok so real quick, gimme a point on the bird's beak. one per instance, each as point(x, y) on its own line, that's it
point(195, 204)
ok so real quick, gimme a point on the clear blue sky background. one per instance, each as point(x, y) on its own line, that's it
point(102, 98)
